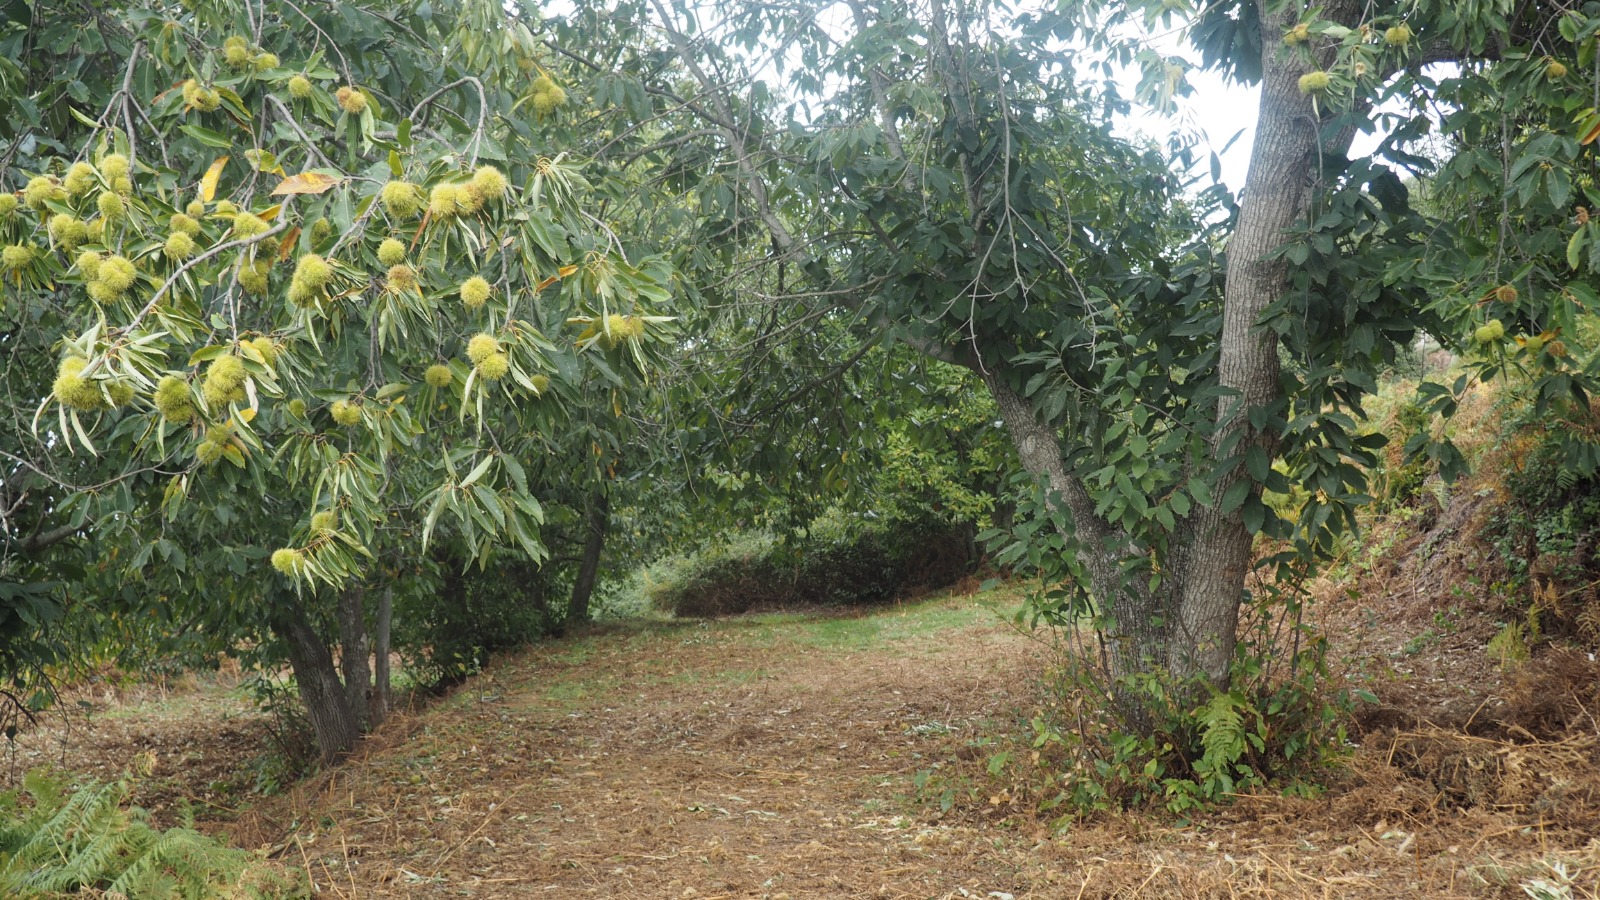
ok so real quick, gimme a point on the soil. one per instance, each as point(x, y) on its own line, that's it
point(843, 756)
point(210, 744)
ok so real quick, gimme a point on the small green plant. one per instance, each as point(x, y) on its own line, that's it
point(1279, 724)
point(293, 745)
point(1448, 621)
point(931, 785)
point(1509, 646)
point(1420, 643)
point(54, 842)
point(1557, 887)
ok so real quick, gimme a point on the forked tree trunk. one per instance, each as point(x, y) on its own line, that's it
point(596, 522)
point(1135, 637)
point(332, 719)
point(1189, 626)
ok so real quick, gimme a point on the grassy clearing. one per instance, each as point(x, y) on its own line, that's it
point(568, 673)
point(914, 621)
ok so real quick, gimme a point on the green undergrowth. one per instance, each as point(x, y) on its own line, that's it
point(833, 565)
point(59, 842)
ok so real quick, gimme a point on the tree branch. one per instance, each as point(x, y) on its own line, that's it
point(283, 223)
point(49, 538)
point(728, 124)
point(295, 124)
point(483, 107)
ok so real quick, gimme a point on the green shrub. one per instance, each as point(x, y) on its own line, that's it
point(1399, 480)
point(53, 843)
point(447, 626)
point(726, 577)
point(1279, 725)
point(1546, 533)
point(832, 566)
point(293, 749)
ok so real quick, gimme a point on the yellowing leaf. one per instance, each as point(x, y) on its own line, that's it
point(561, 273)
point(270, 212)
point(286, 246)
point(1592, 132)
point(208, 181)
point(306, 183)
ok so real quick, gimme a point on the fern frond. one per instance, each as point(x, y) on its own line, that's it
point(1567, 479)
point(93, 840)
point(1222, 730)
point(47, 792)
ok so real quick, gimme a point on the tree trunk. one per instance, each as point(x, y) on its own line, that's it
point(353, 661)
point(597, 521)
point(378, 708)
point(1283, 162)
point(1136, 638)
point(332, 719)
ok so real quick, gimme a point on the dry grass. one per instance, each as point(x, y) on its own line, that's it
point(201, 732)
point(779, 756)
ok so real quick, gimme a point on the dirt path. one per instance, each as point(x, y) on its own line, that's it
point(758, 757)
point(811, 757)
point(776, 757)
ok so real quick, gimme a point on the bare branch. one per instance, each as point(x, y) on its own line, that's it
point(483, 107)
point(127, 100)
point(728, 124)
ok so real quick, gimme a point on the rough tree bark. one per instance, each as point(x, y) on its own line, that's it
point(353, 653)
point(1284, 161)
point(332, 719)
point(378, 708)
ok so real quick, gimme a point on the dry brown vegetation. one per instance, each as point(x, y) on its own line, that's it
point(779, 756)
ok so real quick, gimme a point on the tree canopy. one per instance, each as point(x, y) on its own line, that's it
point(283, 314)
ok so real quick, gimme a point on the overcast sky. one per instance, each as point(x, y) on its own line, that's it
point(1218, 109)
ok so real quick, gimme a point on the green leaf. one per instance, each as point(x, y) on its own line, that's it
point(1254, 513)
point(1257, 463)
point(1234, 495)
point(207, 136)
point(1179, 502)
